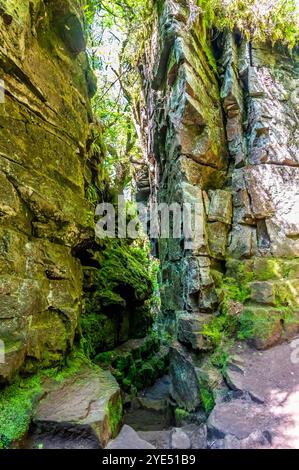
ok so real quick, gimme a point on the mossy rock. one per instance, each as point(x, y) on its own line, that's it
point(117, 297)
point(137, 363)
point(18, 401)
point(266, 327)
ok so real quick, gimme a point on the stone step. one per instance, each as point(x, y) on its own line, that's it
point(86, 405)
point(151, 410)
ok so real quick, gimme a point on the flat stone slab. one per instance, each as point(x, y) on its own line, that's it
point(239, 418)
point(159, 439)
point(180, 439)
point(82, 404)
point(267, 376)
point(129, 439)
point(266, 415)
point(157, 396)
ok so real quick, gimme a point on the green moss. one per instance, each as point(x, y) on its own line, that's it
point(16, 403)
point(258, 323)
point(125, 265)
point(17, 400)
point(291, 319)
point(118, 293)
point(137, 368)
point(270, 21)
point(115, 412)
point(98, 332)
point(181, 416)
point(267, 269)
point(207, 399)
point(220, 328)
point(214, 329)
point(210, 56)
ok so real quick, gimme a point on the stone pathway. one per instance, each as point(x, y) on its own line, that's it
point(261, 410)
point(265, 412)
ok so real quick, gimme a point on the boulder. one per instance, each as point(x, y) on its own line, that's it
point(86, 404)
point(188, 437)
point(179, 439)
point(190, 330)
point(239, 418)
point(159, 439)
point(184, 387)
point(128, 439)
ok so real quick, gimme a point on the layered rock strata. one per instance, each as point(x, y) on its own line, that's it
point(222, 127)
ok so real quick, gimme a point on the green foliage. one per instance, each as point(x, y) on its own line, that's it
point(214, 329)
point(220, 357)
point(207, 399)
point(235, 291)
point(92, 195)
point(115, 411)
point(255, 19)
point(116, 31)
point(221, 327)
point(181, 414)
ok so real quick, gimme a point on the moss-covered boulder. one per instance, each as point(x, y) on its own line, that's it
point(78, 400)
point(88, 403)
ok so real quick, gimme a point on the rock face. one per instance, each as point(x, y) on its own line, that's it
point(48, 252)
point(222, 133)
point(87, 406)
point(44, 214)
